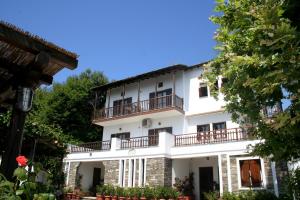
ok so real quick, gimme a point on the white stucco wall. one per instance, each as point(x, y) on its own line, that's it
point(86, 169)
point(136, 129)
point(193, 103)
point(182, 167)
point(146, 87)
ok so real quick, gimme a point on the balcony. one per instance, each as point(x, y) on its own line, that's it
point(211, 137)
point(140, 142)
point(90, 147)
point(136, 111)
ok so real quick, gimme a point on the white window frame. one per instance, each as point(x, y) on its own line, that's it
point(263, 178)
point(208, 91)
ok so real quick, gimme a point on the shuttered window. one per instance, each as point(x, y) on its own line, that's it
point(250, 173)
point(203, 90)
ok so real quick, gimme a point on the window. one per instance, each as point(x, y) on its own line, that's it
point(122, 136)
point(219, 130)
point(153, 135)
point(160, 84)
point(162, 99)
point(219, 126)
point(203, 92)
point(250, 173)
point(224, 81)
point(120, 108)
point(203, 132)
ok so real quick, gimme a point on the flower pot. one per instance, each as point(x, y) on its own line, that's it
point(143, 198)
point(180, 198)
point(128, 198)
point(107, 197)
point(187, 198)
point(99, 197)
point(122, 198)
point(135, 198)
point(114, 197)
point(69, 196)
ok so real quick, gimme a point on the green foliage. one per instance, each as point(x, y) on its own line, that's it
point(69, 105)
point(211, 195)
point(292, 184)
point(250, 195)
point(25, 187)
point(259, 54)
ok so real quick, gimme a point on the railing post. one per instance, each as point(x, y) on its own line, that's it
point(115, 144)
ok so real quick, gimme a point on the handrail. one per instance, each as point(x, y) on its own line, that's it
point(139, 142)
point(211, 137)
point(156, 103)
point(91, 146)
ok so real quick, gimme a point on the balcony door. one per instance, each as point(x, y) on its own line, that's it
point(219, 130)
point(153, 135)
point(121, 136)
point(162, 99)
point(119, 109)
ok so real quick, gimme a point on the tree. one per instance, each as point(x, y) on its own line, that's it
point(259, 54)
point(69, 105)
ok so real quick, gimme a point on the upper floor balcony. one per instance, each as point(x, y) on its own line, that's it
point(165, 144)
point(169, 104)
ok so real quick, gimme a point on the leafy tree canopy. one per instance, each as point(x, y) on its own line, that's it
point(259, 54)
point(69, 105)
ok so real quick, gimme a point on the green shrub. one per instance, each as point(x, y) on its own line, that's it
point(211, 195)
point(230, 196)
point(120, 191)
point(148, 192)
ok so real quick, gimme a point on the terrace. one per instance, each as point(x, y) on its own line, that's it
point(165, 139)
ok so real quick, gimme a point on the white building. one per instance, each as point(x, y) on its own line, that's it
point(165, 124)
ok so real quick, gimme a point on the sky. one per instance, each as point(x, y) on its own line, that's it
point(120, 38)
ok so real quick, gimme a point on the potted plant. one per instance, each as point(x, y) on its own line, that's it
point(148, 193)
point(185, 186)
point(120, 193)
point(100, 192)
point(107, 192)
point(173, 195)
point(113, 193)
point(136, 193)
point(128, 193)
point(156, 193)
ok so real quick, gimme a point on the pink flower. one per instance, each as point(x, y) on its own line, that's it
point(22, 161)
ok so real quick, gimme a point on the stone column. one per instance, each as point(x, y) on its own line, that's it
point(111, 171)
point(73, 173)
point(159, 172)
point(224, 172)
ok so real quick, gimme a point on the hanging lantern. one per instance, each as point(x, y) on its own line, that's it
point(24, 98)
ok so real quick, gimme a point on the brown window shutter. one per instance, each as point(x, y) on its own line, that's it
point(255, 173)
point(245, 176)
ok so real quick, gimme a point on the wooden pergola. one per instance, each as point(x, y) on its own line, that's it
point(28, 61)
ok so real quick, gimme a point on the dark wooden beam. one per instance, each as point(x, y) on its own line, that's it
point(33, 46)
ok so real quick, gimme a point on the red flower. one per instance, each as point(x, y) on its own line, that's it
point(22, 161)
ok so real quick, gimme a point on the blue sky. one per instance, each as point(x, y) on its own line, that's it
point(120, 38)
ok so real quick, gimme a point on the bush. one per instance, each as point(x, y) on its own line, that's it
point(211, 195)
point(250, 195)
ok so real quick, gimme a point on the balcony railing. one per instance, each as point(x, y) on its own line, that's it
point(139, 142)
point(211, 137)
point(148, 105)
point(91, 146)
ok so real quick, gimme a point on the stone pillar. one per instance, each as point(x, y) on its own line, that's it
point(111, 171)
point(224, 172)
point(281, 173)
point(159, 172)
point(73, 174)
